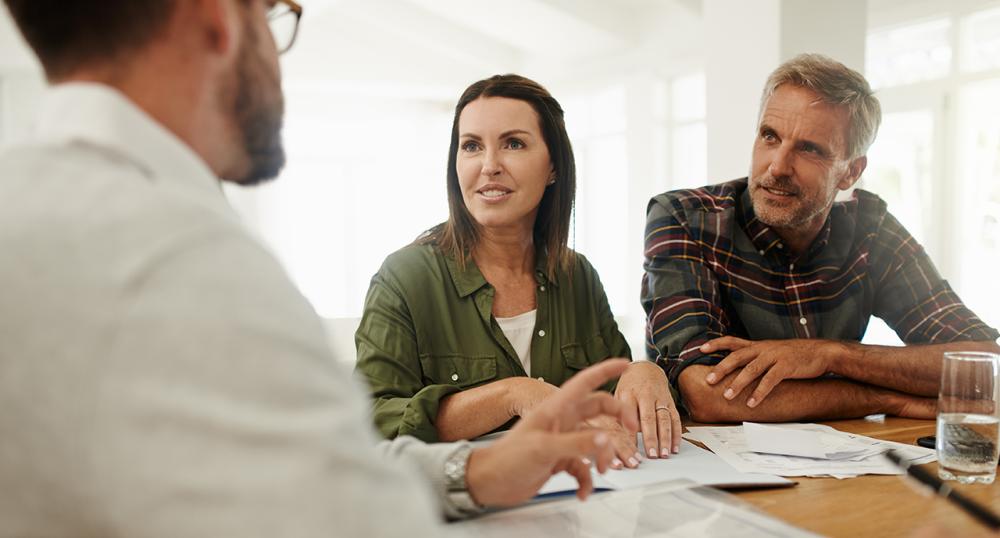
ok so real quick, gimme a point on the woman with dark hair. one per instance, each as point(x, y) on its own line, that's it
point(487, 314)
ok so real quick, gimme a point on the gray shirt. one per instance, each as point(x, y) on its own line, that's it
point(159, 373)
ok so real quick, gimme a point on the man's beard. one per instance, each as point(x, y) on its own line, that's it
point(802, 208)
point(258, 109)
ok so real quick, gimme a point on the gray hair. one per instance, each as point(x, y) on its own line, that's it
point(836, 84)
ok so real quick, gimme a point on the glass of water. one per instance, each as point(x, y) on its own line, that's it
point(967, 423)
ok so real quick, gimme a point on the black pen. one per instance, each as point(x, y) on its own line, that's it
point(942, 488)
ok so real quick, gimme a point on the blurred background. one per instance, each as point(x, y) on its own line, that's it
point(659, 95)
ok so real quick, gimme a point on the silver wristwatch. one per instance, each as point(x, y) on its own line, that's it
point(455, 484)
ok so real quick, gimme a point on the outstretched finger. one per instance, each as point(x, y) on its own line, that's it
point(675, 429)
point(666, 429)
point(648, 422)
point(730, 343)
point(766, 385)
point(726, 366)
point(750, 372)
point(580, 470)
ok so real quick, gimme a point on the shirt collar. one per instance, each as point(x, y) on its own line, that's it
point(764, 238)
point(469, 279)
point(98, 115)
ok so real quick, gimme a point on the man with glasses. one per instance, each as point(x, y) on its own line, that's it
point(159, 373)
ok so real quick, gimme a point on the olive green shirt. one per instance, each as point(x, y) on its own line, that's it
point(427, 332)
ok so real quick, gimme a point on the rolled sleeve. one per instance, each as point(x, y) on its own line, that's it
point(680, 294)
point(389, 363)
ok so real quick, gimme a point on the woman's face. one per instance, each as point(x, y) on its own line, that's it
point(503, 163)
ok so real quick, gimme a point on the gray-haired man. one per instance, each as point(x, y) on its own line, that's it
point(758, 291)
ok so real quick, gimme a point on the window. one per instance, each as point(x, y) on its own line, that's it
point(936, 160)
point(981, 40)
point(908, 53)
point(900, 168)
point(977, 223)
point(596, 122)
point(689, 137)
point(364, 178)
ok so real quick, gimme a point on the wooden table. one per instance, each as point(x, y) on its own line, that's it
point(873, 505)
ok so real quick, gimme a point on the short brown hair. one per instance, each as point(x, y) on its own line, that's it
point(69, 34)
point(836, 84)
point(458, 236)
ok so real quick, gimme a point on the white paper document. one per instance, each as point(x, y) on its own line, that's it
point(767, 439)
point(671, 509)
point(803, 450)
point(692, 462)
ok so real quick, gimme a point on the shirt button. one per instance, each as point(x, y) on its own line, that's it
point(781, 245)
point(541, 332)
point(791, 267)
point(454, 377)
point(761, 252)
point(540, 378)
point(542, 288)
point(803, 321)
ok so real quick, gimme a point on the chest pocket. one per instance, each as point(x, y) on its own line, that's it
point(459, 370)
point(578, 356)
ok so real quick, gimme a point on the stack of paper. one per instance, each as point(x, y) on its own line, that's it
point(691, 463)
point(803, 450)
point(671, 509)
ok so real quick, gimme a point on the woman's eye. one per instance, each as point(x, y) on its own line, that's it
point(470, 146)
point(515, 144)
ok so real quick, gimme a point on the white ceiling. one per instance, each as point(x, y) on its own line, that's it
point(437, 47)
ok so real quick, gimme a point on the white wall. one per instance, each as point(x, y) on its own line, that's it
point(371, 85)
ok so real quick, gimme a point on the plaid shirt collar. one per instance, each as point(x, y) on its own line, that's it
point(765, 239)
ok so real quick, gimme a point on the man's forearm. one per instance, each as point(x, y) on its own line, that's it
point(914, 369)
point(793, 400)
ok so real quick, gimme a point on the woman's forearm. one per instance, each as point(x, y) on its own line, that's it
point(480, 410)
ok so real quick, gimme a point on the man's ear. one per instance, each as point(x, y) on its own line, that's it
point(221, 24)
point(854, 170)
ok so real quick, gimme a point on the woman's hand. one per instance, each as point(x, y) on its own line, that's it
point(644, 387)
point(621, 438)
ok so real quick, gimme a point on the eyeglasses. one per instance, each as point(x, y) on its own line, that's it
point(283, 19)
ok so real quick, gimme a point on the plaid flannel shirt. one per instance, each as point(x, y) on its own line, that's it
point(713, 269)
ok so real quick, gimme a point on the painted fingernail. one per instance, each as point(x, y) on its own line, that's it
point(705, 347)
point(586, 461)
point(729, 394)
point(652, 453)
point(677, 448)
point(601, 439)
point(752, 402)
point(712, 377)
point(637, 456)
point(665, 453)
point(616, 463)
point(632, 462)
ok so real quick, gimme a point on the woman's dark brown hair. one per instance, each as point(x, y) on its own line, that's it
point(459, 235)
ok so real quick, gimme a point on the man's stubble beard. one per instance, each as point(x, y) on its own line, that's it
point(786, 218)
point(257, 108)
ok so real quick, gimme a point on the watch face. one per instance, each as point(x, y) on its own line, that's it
point(454, 469)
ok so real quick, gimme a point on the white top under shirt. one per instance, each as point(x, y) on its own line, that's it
point(519, 330)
